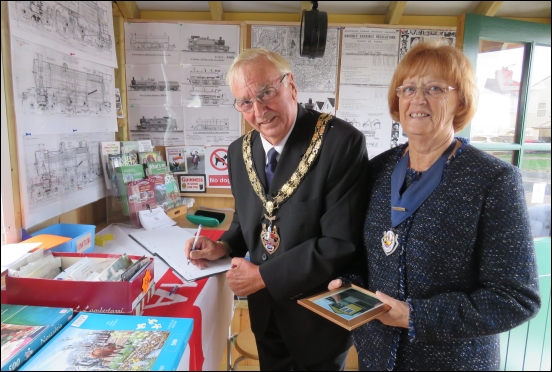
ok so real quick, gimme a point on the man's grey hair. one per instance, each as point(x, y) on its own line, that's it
point(250, 55)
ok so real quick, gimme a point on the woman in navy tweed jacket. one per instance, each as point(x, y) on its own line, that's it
point(447, 233)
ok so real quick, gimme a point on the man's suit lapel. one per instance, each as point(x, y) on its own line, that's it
point(296, 146)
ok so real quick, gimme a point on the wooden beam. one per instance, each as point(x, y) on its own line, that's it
point(217, 12)
point(305, 5)
point(10, 98)
point(395, 12)
point(488, 8)
point(129, 9)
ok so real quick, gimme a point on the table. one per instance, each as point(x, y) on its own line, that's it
point(208, 301)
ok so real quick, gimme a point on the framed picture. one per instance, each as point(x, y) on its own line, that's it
point(191, 182)
point(349, 306)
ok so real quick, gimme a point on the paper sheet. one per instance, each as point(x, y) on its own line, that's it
point(168, 244)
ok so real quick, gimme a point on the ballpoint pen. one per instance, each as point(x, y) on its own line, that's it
point(195, 241)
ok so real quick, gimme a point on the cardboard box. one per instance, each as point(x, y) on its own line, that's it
point(121, 297)
point(82, 236)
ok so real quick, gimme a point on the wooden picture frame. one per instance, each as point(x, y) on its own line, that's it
point(349, 306)
point(191, 183)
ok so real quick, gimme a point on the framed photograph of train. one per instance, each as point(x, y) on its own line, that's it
point(153, 84)
point(150, 43)
point(209, 44)
point(191, 183)
point(349, 306)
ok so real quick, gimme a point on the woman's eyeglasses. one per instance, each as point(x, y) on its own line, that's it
point(431, 90)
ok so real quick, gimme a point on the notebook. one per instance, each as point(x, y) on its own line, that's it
point(168, 245)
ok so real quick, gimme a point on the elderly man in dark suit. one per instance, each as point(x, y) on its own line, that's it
point(299, 183)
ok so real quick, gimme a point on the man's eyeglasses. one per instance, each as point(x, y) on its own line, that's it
point(265, 96)
point(431, 90)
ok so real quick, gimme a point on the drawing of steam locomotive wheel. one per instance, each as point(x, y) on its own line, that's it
point(38, 194)
point(84, 108)
point(56, 190)
point(24, 11)
point(69, 103)
point(31, 104)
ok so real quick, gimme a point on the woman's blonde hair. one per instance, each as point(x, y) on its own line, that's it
point(250, 55)
point(445, 62)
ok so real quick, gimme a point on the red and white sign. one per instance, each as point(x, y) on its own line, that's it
point(216, 167)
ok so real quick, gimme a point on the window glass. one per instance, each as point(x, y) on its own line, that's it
point(498, 75)
point(535, 169)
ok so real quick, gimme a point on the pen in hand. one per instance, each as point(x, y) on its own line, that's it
point(195, 241)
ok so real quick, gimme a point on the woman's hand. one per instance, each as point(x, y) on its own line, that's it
point(334, 284)
point(399, 313)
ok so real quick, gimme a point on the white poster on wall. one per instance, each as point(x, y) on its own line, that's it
point(57, 93)
point(155, 84)
point(204, 85)
point(211, 126)
point(82, 29)
point(209, 44)
point(152, 43)
point(162, 124)
point(59, 173)
point(369, 56)
point(377, 128)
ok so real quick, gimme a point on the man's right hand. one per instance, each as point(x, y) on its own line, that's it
point(205, 250)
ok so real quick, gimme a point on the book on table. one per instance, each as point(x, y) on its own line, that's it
point(96, 341)
point(25, 329)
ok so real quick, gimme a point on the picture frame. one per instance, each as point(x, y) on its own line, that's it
point(349, 306)
point(191, 183)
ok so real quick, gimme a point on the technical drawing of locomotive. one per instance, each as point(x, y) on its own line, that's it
point(372, 124)
point(64, 90)
point(150, 42)
point(206, 77)
point(208, 96)
point(211, 124)
point(157, 124)
point(152, 84)
point(84, 21)
point(204, 44)
point(64, 170)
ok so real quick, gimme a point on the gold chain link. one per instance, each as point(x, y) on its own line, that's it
point(296, 178)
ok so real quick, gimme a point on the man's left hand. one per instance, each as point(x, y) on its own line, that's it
point(244, 278)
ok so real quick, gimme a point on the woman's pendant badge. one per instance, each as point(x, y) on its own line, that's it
point(389, 242)
point(270, 238)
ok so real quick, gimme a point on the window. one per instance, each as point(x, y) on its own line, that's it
point(512, 61)
point(541, 111)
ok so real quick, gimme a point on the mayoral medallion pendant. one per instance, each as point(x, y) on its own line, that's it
point(389, 242)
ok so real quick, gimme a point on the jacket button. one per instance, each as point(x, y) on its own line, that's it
point(264, 256)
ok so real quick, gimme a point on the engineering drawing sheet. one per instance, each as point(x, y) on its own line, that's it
point(59, 173)
point(152, 43)
point(376, 127)
point(162, 124)
point(209, 44)
point(57, 93)
point(205, 126)
point(204, 85)
point(82, 29)
point(156, 84)
point(311, 75)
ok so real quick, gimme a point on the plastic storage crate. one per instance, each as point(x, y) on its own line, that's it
point(82, 237)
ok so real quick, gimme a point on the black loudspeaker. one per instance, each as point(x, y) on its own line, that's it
point(313, 32)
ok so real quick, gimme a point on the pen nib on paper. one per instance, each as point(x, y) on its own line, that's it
point(195, 241)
